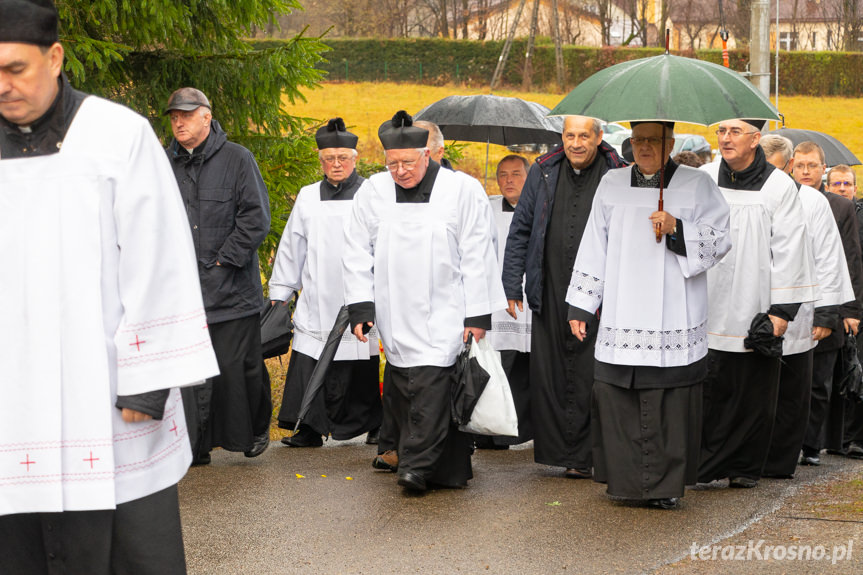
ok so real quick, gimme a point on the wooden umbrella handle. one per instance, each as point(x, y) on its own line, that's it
point(658, 226)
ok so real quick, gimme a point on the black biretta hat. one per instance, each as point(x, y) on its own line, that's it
point(28, 22)
point(400, 133)
point(669, 125)
point(757, 124)
point(335, 135)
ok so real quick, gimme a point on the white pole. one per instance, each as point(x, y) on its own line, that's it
point(776, 76)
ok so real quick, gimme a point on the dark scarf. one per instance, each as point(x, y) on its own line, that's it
point(750, 178)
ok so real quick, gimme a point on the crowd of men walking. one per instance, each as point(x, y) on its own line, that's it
point(647, 346)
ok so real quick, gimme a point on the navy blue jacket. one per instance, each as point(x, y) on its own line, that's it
point(525, 243)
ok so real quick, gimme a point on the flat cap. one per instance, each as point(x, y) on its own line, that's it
point(400, 133)
point(335, 135)
point(186, 99)
point(28, 22)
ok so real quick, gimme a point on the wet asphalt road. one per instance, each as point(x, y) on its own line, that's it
point(326, 511)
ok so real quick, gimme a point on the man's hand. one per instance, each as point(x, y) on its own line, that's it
point(512, 303)
point(579, 329)
point(132, 416)
point(819, 333)
point(851, 325)
point(779, 325)
point(665, 220)
point(478, 333)
point(358, 331)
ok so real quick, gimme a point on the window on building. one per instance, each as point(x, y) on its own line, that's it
point(788, 40)
point(814, 41)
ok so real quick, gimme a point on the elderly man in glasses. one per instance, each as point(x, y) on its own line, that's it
point(309, 262)
point(651, 345)
point(769, 270)
point(418, 257)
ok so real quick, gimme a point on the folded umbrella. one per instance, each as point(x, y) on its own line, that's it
point(761, 338)
point(469, 381)
point(851, 373)
point(835, 152)
point(277, 329)
point(316, 381)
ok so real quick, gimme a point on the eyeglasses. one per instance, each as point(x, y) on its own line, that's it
point(841, 184)
point(733, 132)
point(811, 166)
point(408, 165)
point(653, 141)
point(340, 159)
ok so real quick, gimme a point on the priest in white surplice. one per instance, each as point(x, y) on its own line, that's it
point(651, 299)
point(102, 320)
point(309, 261)
point(511, 335)
point(814, 321)
point(768, 270)
point(417, 263)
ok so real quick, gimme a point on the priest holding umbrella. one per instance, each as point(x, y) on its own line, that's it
point(651, 345)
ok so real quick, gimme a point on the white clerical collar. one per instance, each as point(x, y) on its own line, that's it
point(577, 171)
point(25, 129)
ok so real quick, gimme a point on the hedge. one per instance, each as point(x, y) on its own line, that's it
point(440, 61)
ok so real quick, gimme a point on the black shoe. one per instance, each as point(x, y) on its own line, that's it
point(813, 460)
point(412, 481)
point(742, 482)
point(373, 436)
point(854, 451)
point(577, 474)
point(201, 459)
point(305, 437)
point(259, 445)
point(664, 503)
point(777, 475)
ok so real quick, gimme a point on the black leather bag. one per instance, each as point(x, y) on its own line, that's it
point(851, 378)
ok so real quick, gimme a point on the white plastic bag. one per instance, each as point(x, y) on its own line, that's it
point(494, 413)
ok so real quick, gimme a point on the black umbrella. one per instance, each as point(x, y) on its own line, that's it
point(493, 120)
point(316, 381)
point(761, 338)
point(835, 152)
point(469, 381)
point(277, 329)
point(850, 382)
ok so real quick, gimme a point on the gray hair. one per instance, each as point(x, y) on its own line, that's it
point(321, 157)
point(774, 143)
point(513, 157)
point(435, 135)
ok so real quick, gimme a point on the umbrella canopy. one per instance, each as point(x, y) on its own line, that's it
point(668, 88)
point(835, 152)
point(493, 120)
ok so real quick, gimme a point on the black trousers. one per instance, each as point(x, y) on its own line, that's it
point(417, 414)
point(740, 395)
point(230, 409)
point(823, 366)
point(792, 414)
point(140, 537)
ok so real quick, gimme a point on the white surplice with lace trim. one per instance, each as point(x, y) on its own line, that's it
point(654, 301)
point(101, 297)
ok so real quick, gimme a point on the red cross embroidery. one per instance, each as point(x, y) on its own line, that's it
point(137, 343)
point(91, 459)
point(174, 429)
point(28, 463)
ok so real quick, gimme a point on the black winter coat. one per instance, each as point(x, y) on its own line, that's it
point(229, 214)
point(525, 243)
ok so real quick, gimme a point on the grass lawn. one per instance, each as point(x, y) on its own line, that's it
point(366, 105)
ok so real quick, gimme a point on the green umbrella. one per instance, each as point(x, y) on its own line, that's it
point(667, 88)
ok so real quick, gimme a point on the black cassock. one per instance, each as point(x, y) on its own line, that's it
point(348, 405)
point(561, 367)
point(792, 413)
